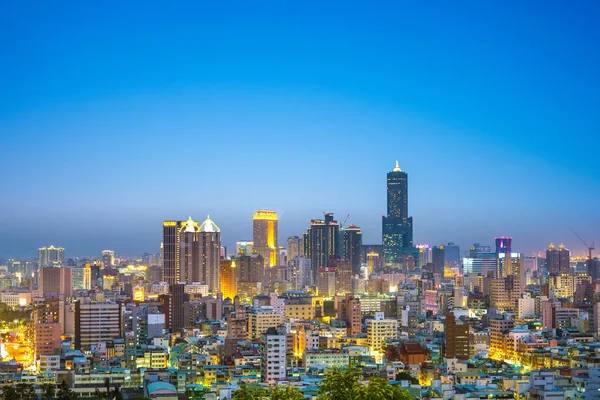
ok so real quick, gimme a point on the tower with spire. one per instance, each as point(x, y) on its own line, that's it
point(397, 226)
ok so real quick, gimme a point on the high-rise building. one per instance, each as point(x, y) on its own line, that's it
point(301, 273)
point(437, 257)
point(228, 278)
point(96, 322)
point(353, 247)
point(50, 256)
point(250, 268)
point(191, 252)
point(209, 243)
point(372, 255)
point(452, 255)
point(295, 247)
point(108, 257)
point(457, 337)
point(349, 310)
point(265, 236)
point(55, 280)
point(273, 356)
point(321, 241)
point(558, 260)
point(397, 226)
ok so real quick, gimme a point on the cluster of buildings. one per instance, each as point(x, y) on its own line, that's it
point(197, 320)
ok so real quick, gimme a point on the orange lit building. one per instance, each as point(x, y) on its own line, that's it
point(227, 276)
point(265, 236)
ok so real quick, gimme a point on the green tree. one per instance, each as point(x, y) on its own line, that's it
point(250, 392)
point(286, 392)
point(48, 392)
point(340, 384)
point(9, 393)
point(65, 392)
point(25, 391)
point(343, 384)
point(405, 376)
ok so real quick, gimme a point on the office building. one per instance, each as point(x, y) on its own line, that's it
point(95, 323)
point(250, 268)
point(54, 280)
point(273, 350)
point(321, 241)
point(265, 236)
point(50, 256)
point(108, 258)
point(353, 247)
point(558, 260)
point(397, 226)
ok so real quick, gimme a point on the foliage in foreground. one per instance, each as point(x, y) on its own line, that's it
point(339, 384)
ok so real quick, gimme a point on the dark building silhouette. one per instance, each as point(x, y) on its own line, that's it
point(397, 226)
point(321, 241)
point(558, 260)
point(353, 247)
point(437, 260)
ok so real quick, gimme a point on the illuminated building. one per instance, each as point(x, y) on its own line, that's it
point(397, 226)
point(191, 252)
point(228, 278)
point(50, 256)
point(379, 330)
point(265, 236)
point(424, 255)
point(261, 319)
point(452, 255)
point(139, 293)
point(558, 260)
point(353, 247)
point(499, 328)
point(244, 247)
point(87, 276)
point(321, 241)
point(295, 247)
point(108, 257)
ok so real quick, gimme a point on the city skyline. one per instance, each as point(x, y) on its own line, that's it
point(395, 170)
point(491, 108)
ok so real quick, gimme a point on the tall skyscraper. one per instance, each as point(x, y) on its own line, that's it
point(50, 256)
point(321, 241)
point(558, 260)
point(397, 226)
point(191, 252)
point(265, 236)
point(437, 256)
point(353, 247)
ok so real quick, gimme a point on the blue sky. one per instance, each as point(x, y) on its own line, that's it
point(116, 116)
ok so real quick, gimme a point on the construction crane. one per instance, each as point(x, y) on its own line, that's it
point(346, 220)
point(590, 249)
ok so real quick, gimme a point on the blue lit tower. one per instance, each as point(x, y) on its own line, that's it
point(397, 226)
